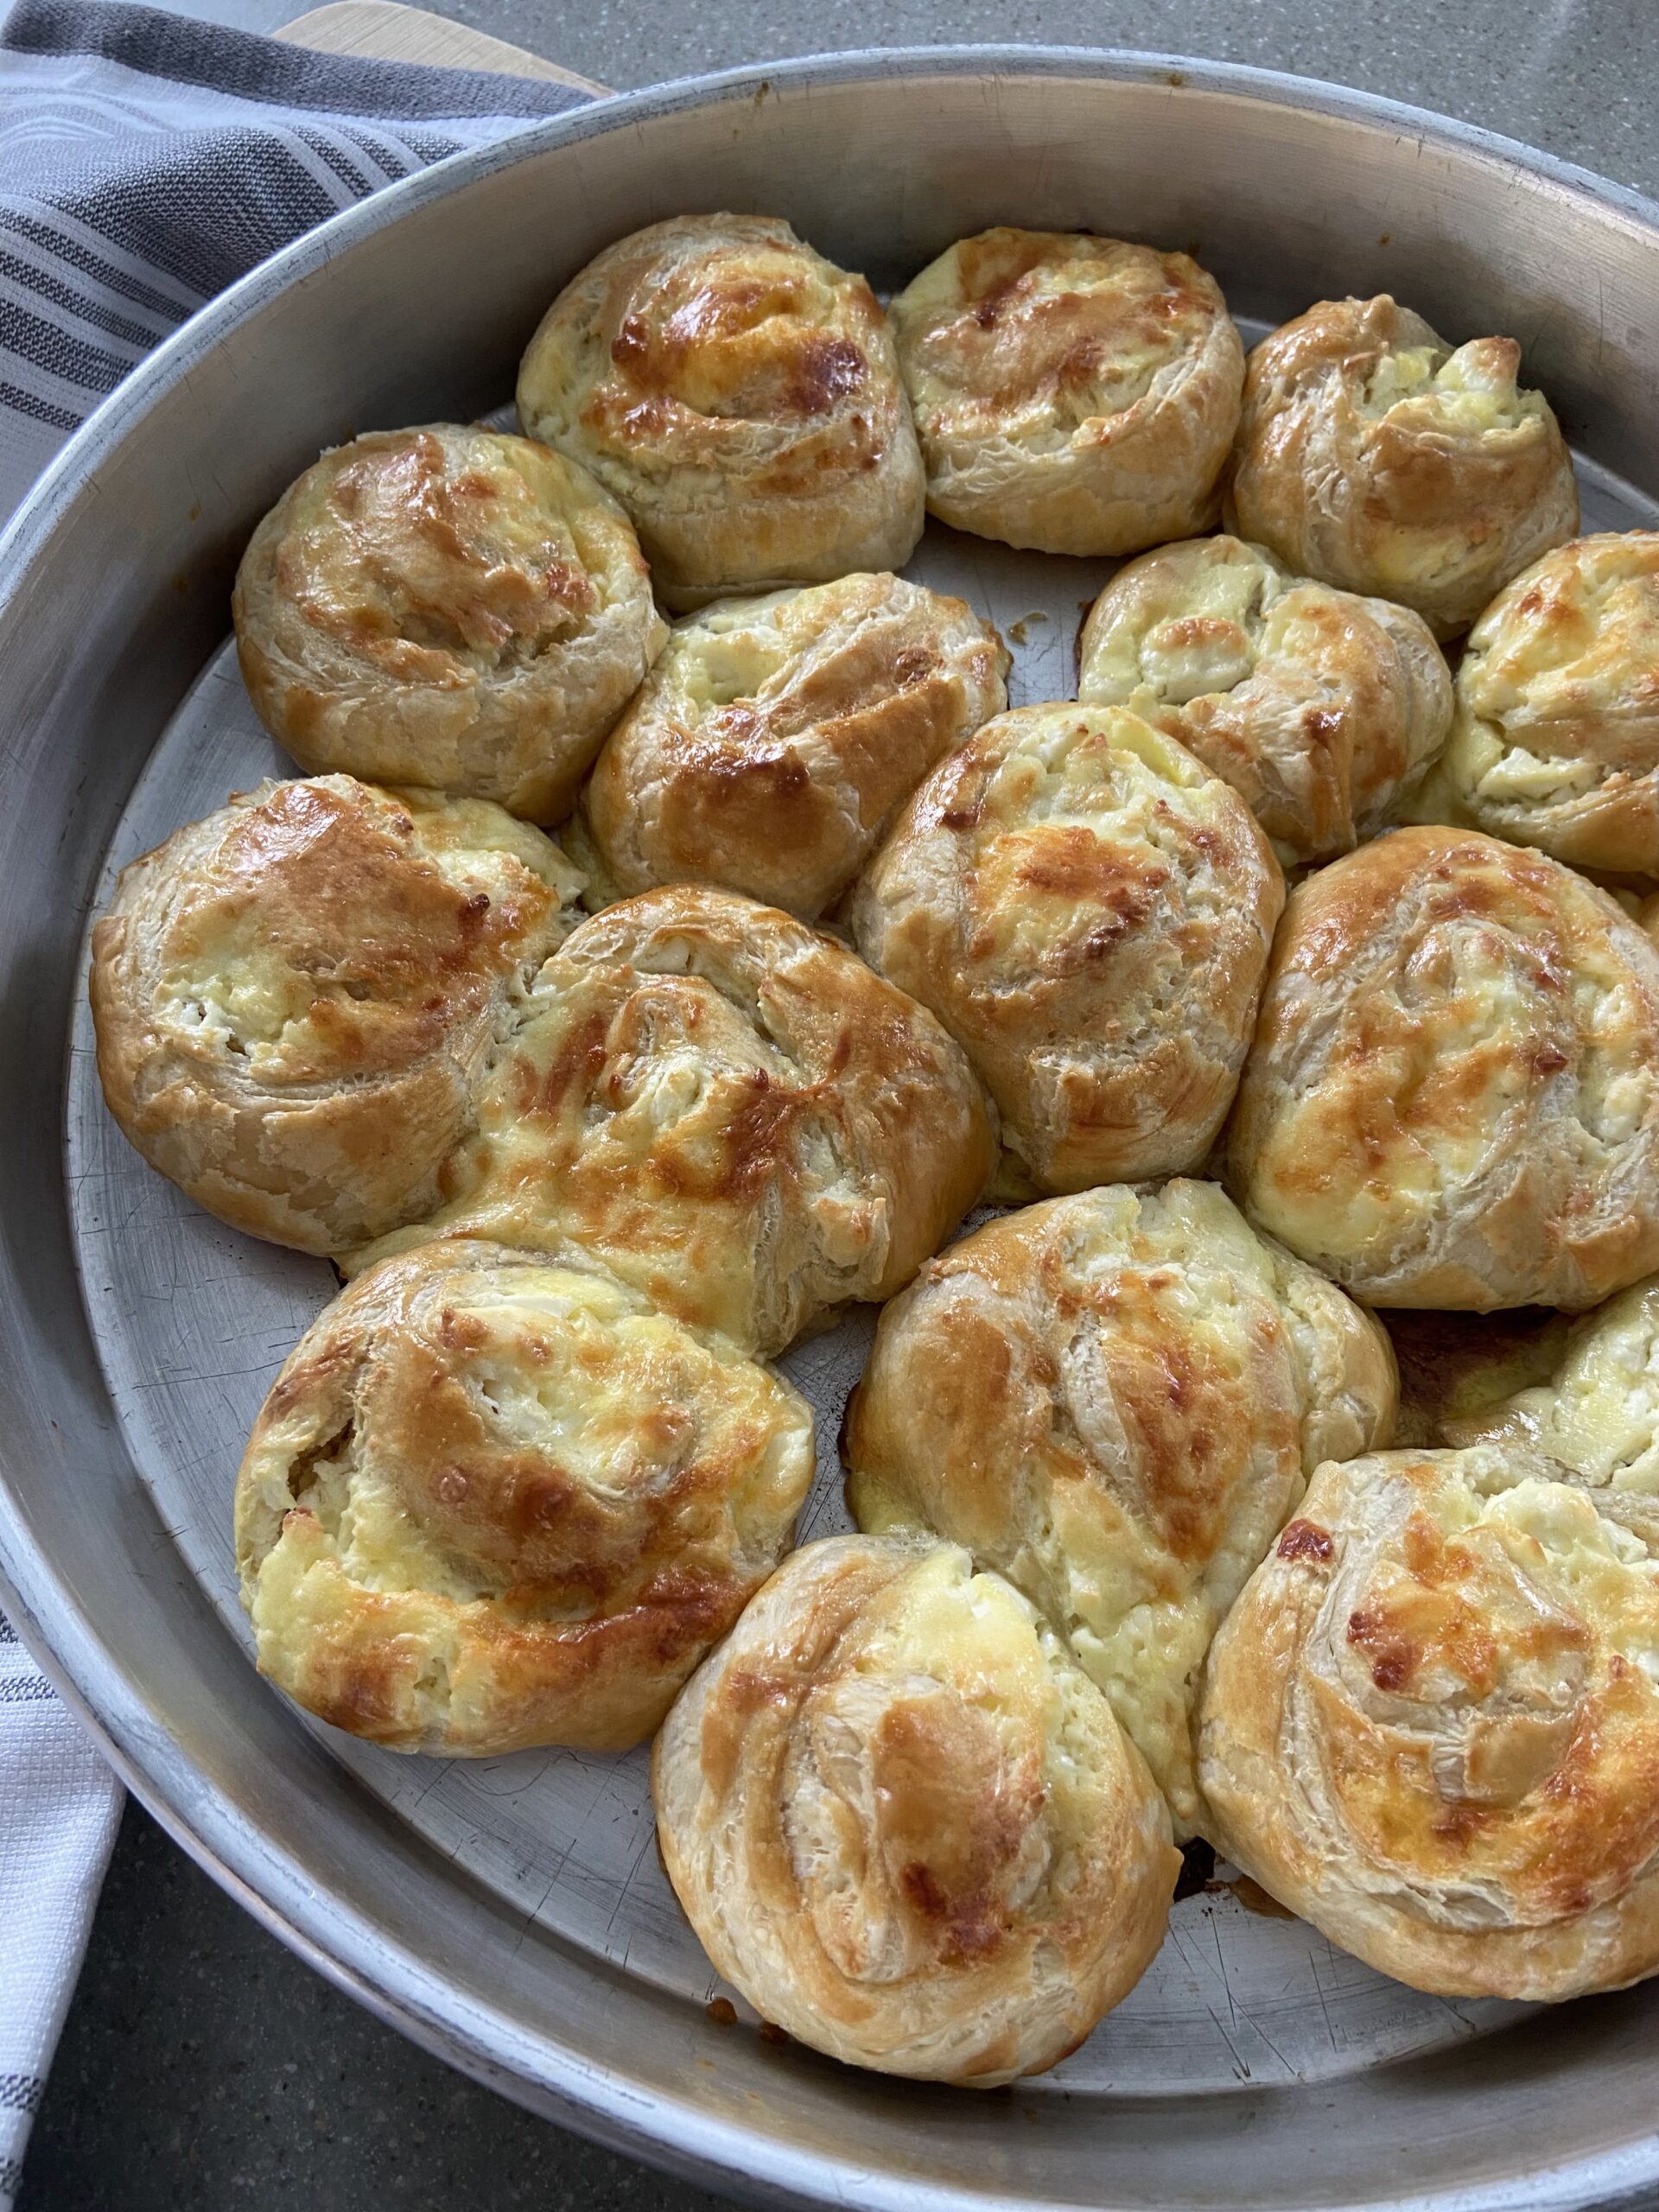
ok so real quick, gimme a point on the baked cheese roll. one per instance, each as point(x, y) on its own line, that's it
point(1113, 1399)
point(1089, 911)
point(448, 607)
point(730, 1111)
point(1431, 1727)
point(1556, 739)
point(296, 999)
point(1320, 708)
point(1598, 1413)
point(904, 1823)
point(493, 1501)
point(740, 395)
point(1373, 456)
point(1454, 1095)
point(777, 737)
point(1072, 393)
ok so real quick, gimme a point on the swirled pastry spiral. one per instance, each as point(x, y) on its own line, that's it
point(1088, 910)
point(904, 1822)
point(740, 395)
point(730, 1111)
point(1453, 1098)
point(1320, 708)
point(1113, 1399)
point(1431, 1725)
point(297, 998)
point(1556, 741)
point(1375, 457)
point(449, 607)
point(1072, 393)
point(494, 1501)
point(777, 737)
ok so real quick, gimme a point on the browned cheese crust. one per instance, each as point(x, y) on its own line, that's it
point(1113, 1399)
point(739, 396)
point(1323, 710)
point(730, 1110)
point(1374, 456)
point(905, 1824)
point(1556, 741)
point(295, 999)
point(1452, 1099)
point(493, 1501)
point(449, 607)
point(1073, 394)
point(777, 737)
point(1430, 1724)
point(1088, 910)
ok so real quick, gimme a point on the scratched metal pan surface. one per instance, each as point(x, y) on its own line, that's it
point(511, 1914)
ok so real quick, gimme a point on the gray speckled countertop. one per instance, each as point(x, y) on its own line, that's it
point(1576, 77)
point(202, 2066)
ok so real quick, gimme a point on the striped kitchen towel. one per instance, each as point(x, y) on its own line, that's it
point(59, 1805)
point(146, 161)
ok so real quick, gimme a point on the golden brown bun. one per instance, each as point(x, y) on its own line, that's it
point(1088, 910)
point(904, 1823)
point(1373, 456)
point(1454, 1095)
point(777, 737)
point(1430, 1724)
point(739, 396)
point(1597, 1413)
point(494, 1501)
point(1072, 393)
point(1113, 1399)
point(295, 999)
point(730, 1111)
point(1556, 739)
point(1321, 709)
point(448, 608)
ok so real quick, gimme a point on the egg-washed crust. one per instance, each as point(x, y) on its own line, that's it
point(1556, 741)
point(1431, 1727)
point(1374, 456)
point(1452, 1099)
point(1322, 709)
point(731, 1111)
point(295, 999)
point(740, 395)
point(494, 1501)
point(1113, 1399)
point(904, 1823)
point(1088, 910)
point(777, 737)
point(1073, 394)
point(1597, 1413)
point(450, 607)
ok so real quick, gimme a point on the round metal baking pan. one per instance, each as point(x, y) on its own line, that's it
point(512, 1917)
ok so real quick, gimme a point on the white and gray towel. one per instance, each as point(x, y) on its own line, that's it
point(59, 1805)
point(146, 161)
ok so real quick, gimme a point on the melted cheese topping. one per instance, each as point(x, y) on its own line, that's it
point(1115, 1399)
point(342, 930)
point(904, 1823)
point(516, 1447)
point(1450, 1666)
point(1452, 1096)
